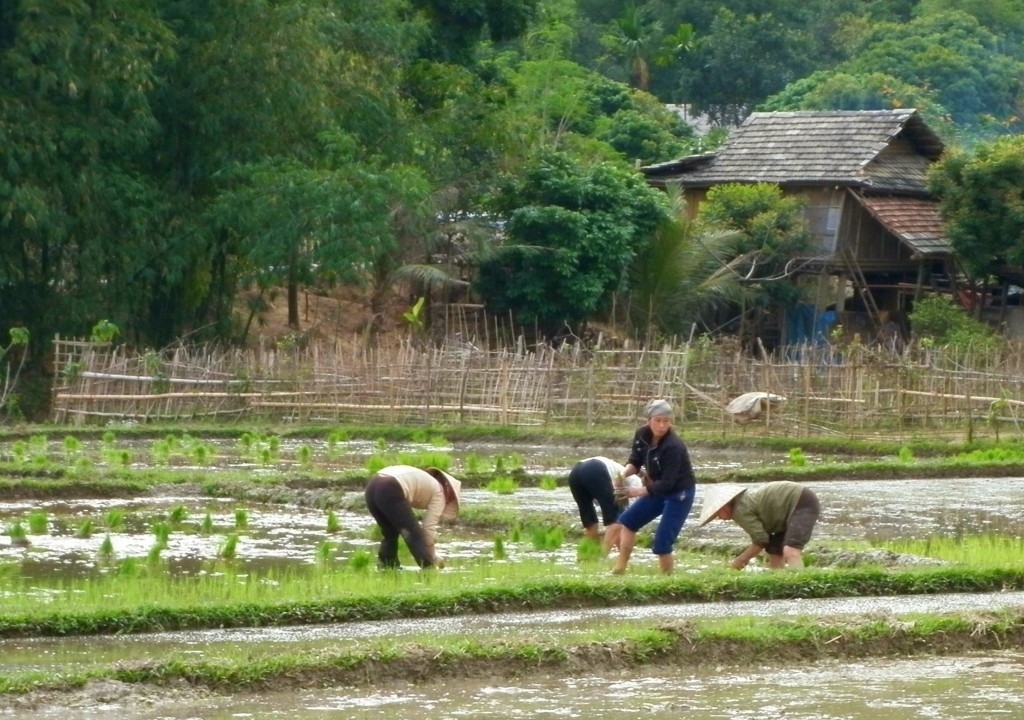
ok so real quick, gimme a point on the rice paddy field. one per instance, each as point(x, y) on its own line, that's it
point(188, 575)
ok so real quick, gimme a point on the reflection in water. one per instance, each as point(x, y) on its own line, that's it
point(968, 688)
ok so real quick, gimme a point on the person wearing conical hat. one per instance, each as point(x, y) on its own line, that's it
point(779, 517)
point(667, 493)
point(391, 497)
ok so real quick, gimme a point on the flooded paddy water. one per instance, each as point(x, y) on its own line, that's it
point(282, 536)
point(973, 687)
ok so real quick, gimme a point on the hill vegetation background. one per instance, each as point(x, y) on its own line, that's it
point(201, 170)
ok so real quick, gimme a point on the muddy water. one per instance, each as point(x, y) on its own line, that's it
point(555, 626)
point(279, 536)
point(968, 688)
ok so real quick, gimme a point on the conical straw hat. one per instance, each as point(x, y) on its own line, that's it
point(717, 498)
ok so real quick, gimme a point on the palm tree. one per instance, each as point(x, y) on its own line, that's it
point(684, 275)
point(633, 38)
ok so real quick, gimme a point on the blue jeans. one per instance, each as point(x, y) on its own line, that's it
point(673, 510)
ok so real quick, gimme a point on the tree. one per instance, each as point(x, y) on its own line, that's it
point(457, 28)
point(572, 231)
point(80, 217)
point(981, 196)
point(743, 59)
point(634, 39)
point(838, 90)
point(772, 231)
point(681, 275)
point(953, 56)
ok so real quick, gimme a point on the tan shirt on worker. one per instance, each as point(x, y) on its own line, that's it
point(423, 492)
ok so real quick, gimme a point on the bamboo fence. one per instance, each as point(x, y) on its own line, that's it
point(413, 382)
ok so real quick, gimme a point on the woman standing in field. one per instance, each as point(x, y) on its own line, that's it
point(392, 495)
point(667, 492)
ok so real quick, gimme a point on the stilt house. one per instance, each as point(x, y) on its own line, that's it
point(878, 236)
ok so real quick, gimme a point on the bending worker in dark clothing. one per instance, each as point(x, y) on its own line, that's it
point(668, 490)
point(594, 480)
point(391, 496)
point(779, 517)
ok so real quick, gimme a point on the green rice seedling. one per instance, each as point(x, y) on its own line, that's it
point(333, 524)
point(19, 451)
point(439, 441)
point(266, 456)
point(85, 529)
point(503, 485)
point(548, 482)
point(203, 454)
point(304, 454)
point(375, 463)
point(39, 447)
point(72, 446)
point(475, 464)
point(508, 462)
point(589, 550)
point(83, 466)
point(241, 518)
point(325, 552)
point(174, 442)
point(38, 522)
point(125, 458)
point(128, 568)
point(360, 561)
point(229, 548)
point(114, 519)
point(160, 452)
point(797, 457)
point(153, 556)
point(906, 455)
point(381, 444)
point(274, 443)
point(517, 533)
point(499, 548)
point(419, 436)
point(18, 534)
point(246, 441)
point(206, 528)
point(547, 538)
point(439, 460)
point(375, 533)
point(334, 439)
point(162, 531)
point(178, 515)
point(982, 550)
point(109, 437)
point(106, 551)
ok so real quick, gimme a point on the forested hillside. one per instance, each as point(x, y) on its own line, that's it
point(166, 166)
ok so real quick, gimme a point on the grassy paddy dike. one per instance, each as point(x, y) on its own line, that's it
point(144, 597)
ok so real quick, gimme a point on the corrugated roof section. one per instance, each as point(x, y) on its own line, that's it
point(915, 221)
point(834, 147)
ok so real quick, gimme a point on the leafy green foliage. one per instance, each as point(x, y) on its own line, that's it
point(682, 274)
point(771, 230)
point(981, 198)
point(572, 231)
point(940, 321)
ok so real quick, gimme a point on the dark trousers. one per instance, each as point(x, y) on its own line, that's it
point(800, 526)
point(589, 482)
point(393, 513)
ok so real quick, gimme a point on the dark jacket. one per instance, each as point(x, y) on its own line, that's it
point(668, 467)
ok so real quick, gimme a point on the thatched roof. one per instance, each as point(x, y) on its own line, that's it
point(877, 150)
